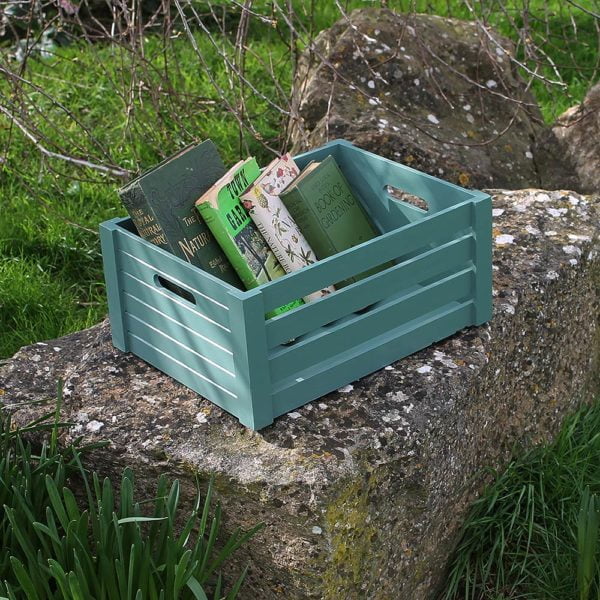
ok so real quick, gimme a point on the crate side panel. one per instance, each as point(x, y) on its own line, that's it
point(403, 276)
point(436, 229)
point(178, 310)
point(360, 329)
point(148, 273)
point(482, 219)
point(175, 269)
point(184, 373)
point(109, 240)
point(379, 352)
point(213, 376)
point(208, 350)
point(143, 271)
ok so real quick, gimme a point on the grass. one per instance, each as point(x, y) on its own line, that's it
point(533, 534)
point(129, 110)
point(106, 545)
point(51, 279)
point(50, 270)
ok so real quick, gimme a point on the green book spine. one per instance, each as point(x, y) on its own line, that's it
point(143, 217)
point(238, 236)
point(329, 215)
point(161, 205)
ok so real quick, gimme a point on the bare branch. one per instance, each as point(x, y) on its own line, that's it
point(76, 161)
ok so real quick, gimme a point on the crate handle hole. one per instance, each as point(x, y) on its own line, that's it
point(161, 282)
point(398, 194)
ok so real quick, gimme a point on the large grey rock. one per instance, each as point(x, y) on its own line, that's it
point(440, 95)
point(363, 491)
point(578, 132)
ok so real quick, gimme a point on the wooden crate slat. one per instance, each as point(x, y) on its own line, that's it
point(179, 310)
point(174, 268)
point(336, 339)
point(144, 271)
point(183, 373)
point(358, 362)
point(440, 227)
point(209, 349)
point(211, 374)
point(403, 276)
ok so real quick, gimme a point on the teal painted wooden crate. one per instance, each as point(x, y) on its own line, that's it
point(214, 338)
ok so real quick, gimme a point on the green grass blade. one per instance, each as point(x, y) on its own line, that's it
point(56, 502)
point(70, 504)
point(140, 519)
point(587, 542)
point(131, 567)
point(238, 584)
point(194, 586)
point(181, 572)
point(23, 578)
point(76, 593)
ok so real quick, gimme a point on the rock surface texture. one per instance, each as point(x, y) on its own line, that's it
point(440, 95)
point(578, 132)
point(362, 491)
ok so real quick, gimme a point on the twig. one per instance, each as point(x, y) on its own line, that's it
point(583, 9)
point(217, 87)
point(521, 64)
point(76, 161)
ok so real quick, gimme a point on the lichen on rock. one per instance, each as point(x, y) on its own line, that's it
point(440, 95)
point(362, 491)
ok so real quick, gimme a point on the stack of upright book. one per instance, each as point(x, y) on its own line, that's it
point(245, 226)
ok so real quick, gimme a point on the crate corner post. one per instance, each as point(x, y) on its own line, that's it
point(482, 218)
point(247, 319)
point(109, 240)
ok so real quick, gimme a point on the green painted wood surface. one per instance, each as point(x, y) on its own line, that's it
point(250, 356)
point(174, 268)
point(146, 273)
point(482, 258)
point(220, 345)
point(178, 349)
point(177, 309)
point(151, 352)
point(353, 333)
point(207, 350)
point(402, 276)
point(109, 240)
point(379, 352)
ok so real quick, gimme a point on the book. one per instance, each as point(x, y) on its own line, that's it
point(240, 239)
point(161, 205)
point(273, 220)
point(329, 215)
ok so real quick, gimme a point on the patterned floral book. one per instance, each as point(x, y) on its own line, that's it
point(274, 221)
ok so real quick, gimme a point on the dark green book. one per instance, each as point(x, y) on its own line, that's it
point(329, 215)
point(161, 205)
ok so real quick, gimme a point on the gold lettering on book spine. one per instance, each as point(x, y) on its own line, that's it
point(191, 247)
point(148, 227)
